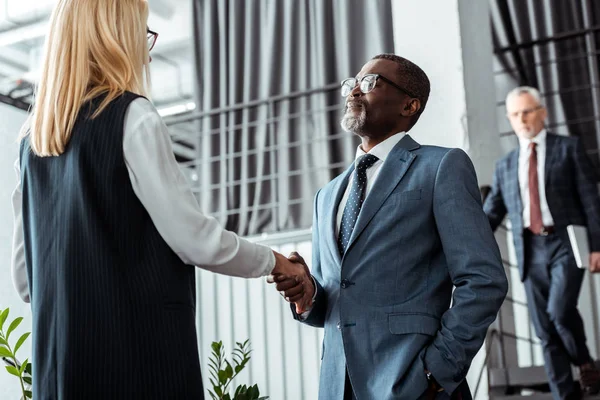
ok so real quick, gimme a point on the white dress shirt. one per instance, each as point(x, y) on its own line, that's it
point(163, 190)
point(381, 151)
point(524, 153)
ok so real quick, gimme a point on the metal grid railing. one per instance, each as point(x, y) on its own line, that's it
point(256, 166)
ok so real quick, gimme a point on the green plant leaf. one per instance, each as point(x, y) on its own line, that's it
point(222, 377)
point(27, 380)
point(219, 391)
point(3, 316)
point(228, 370)
point(28, 394)
point(214, 373)
point(4, 352)
point(3, 342)
point(216, 347)
point(237, 359)
point(213, 364)
point(12, 370)
point(227, 397)
point(21, 340)
point(213, 395)
point(13, 326)
point(238, 353)
point(23, 366)
point(28, 369)
point(253, 392)
point(239, 389)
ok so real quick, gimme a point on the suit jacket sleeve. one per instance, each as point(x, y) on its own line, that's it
point(316, 316)
point(587, 189)
point(474, 265)
point(494, 206)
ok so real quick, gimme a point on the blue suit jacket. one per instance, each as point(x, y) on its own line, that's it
point(385, 305)
point(571, 191)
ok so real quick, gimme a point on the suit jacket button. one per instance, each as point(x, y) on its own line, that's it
point(339, 326)
point(344, 284)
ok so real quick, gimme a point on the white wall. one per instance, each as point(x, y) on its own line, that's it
point(427, 32)
point(451, 41)
point(11, 120)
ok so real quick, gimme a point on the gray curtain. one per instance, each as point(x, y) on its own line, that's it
point(552, 45)
point(260, 163)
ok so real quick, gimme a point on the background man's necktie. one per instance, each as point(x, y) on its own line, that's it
point(536, 224)
point(355, 200)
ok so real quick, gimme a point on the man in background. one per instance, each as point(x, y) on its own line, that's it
point(544, 185)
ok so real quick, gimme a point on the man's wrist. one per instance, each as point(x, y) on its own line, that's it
point(314, 283)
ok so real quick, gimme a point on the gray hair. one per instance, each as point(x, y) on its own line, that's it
point(533, 92)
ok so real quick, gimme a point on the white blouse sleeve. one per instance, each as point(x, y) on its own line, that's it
point(163, 190)
point(18, 266)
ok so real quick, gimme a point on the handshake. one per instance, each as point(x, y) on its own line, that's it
point(293, 281)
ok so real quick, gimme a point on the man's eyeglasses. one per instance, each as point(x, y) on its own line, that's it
point(368, 83)
point(152, 36)
point(525, 113)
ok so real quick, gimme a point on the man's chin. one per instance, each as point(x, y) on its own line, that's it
point(527, 133)
point(350, 124)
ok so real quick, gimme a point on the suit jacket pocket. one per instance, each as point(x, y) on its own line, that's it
point(405, 323)
point(404, 196)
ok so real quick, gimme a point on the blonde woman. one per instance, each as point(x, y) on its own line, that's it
point(106, 230)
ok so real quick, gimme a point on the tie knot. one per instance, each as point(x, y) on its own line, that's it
point(532, 145)
point(365, 162)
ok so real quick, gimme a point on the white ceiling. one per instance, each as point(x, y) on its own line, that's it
point(23, 24)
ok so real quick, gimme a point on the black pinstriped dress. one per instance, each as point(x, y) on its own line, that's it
point(113, 306)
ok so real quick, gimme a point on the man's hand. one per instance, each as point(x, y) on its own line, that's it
point(309, 284)
point(595, 261)
point(296, 287)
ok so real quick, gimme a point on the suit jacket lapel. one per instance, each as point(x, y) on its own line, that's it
point(512, 180)
point(550, 153)
point(335, 196)
point(392, 171)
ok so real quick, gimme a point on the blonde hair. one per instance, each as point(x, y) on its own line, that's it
point(93, 47)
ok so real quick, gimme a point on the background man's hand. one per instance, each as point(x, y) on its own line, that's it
point(294, 284)
point(595, 261)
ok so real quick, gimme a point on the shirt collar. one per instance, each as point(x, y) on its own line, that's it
point(383, 149)
point(539, 139)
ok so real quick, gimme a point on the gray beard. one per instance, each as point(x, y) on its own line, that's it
point(354, 123)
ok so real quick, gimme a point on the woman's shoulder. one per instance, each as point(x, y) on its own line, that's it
point(141, 115)
point(141, 105)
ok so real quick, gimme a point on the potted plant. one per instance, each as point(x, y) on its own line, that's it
point(222, 373)
point(9, 353)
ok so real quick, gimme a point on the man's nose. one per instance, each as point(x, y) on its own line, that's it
point(356, 92)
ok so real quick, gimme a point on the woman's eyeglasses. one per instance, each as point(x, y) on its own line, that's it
point(152, 36)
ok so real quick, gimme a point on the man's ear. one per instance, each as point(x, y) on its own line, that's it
point(411, 108)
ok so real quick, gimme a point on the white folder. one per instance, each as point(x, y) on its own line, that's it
point(578, 236)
